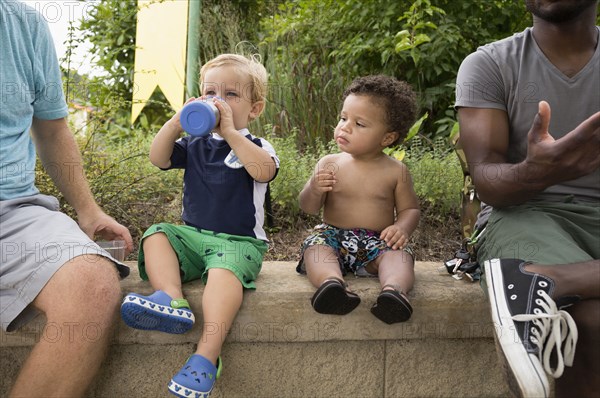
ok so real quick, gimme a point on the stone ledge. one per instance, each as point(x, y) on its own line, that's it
point(280, 311)
point(279, 347)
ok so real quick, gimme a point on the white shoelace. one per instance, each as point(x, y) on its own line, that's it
point(555, 327)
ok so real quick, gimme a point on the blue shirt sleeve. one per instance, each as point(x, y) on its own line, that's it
point(179, 155)
point(49, 102)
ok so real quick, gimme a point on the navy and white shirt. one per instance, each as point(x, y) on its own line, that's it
point(218, 193)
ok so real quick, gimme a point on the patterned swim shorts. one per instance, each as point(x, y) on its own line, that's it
point(355, 248)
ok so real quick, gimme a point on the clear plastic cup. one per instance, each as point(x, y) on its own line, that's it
point(115, 248)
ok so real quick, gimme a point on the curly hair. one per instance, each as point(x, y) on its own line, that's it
point(396, 96)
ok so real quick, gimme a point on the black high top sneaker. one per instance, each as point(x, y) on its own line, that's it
point(528, 326)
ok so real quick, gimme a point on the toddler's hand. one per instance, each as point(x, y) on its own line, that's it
point(394, 237)
point(323, 181)
point(176, 119)
point(226, 124)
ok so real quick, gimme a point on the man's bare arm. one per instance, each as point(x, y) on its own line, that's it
point(484, 137)
point(61, 158)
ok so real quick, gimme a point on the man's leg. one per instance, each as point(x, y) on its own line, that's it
point(577, 279)
point(535, 334)
point(581, 279)
point(582, 379)
point(544, 233)
point(80, 301)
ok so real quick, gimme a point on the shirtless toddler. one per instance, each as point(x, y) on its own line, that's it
point(369, 206)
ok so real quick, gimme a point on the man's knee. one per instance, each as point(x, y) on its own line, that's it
point(85, 287)
point(99, 280)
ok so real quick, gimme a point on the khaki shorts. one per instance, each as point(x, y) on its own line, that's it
point(35, 241)
point(199, 250)
point(543, 233)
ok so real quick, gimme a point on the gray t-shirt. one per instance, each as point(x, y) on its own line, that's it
point(513, 75)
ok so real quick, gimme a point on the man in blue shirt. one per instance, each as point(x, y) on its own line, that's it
point(49, 263)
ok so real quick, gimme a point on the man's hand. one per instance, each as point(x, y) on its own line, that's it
point(572, 156)
point(99, 223)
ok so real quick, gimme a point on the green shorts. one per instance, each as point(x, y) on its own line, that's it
point(543, 232)
point(200, 250)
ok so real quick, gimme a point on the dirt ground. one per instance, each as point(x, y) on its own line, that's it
point(434, 239)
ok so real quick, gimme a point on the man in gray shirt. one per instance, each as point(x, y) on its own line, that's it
point(541, 173)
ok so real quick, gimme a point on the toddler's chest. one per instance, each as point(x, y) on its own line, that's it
point(360, 185)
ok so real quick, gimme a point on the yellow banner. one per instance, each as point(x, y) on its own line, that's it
point(160, 55)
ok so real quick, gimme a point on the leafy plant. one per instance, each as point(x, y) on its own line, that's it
point(320, 45)
point(398, 152)
point(124, 183)
point(295, 169)
point(312, 50)
point(110, 27)
point(437, 180)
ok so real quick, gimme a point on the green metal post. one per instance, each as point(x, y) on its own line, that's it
point(192, 68)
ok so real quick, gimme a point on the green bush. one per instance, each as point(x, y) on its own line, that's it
point(124, 182)
point(294, 170)
point(437, 179)
point(137, 194)
point(317, 47)
point(312, 50)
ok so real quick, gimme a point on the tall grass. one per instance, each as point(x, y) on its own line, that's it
point(300, 99)
point(221, 30)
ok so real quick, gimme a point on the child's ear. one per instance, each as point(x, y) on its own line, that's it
point(257, 108)
point(389, 138)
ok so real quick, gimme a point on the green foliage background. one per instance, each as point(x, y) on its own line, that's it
point(319, 46)
point(312, 50)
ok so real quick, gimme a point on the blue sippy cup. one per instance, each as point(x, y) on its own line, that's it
point(199, 118)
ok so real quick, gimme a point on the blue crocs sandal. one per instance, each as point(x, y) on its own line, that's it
point(196, 378)
point(157, 312)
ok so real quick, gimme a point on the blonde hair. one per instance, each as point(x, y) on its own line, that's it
point(250, 66)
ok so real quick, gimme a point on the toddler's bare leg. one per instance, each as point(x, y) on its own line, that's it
point(162, 265)
point(321, 264)
point(221, 301)
point(323, 270)
point(395, 268)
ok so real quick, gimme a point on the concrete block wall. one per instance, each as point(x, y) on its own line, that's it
point(280, 347)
